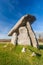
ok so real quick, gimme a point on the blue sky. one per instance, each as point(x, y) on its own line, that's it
point(12, 10)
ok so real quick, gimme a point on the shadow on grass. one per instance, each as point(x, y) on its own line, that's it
point(40, 46)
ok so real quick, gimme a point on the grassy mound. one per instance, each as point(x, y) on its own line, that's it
point(12, 55)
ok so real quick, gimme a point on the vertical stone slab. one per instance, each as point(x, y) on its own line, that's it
point(14, 38)
point(23, 38)
point(32, 35)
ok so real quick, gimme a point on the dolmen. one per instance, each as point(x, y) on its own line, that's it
point(22, 32)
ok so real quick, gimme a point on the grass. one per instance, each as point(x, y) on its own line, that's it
point(12, 55)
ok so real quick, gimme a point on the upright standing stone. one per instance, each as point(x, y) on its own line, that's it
point(32, 35)
point(14, 38)
point(23, 38)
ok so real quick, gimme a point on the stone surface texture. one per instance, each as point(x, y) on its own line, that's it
point(23, 38)
point(22, 33)
point(32, 35)
point(14, 39)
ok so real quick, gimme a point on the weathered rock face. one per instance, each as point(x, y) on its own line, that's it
point(14, 38)
point(23, 38)
point(32, 35)
point(26, 35)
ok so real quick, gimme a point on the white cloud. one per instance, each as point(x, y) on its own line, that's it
point(4, 36)
point(5, 28)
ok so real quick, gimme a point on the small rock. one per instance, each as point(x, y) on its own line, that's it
point(23, 50)
point(33, 54)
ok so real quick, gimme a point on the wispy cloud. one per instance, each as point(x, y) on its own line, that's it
point(4, 29)
point(4, 36)
point(12, 10)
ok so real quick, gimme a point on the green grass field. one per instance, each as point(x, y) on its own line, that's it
point(12, 55)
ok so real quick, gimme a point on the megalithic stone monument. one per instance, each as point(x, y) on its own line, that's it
point(22, 33)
